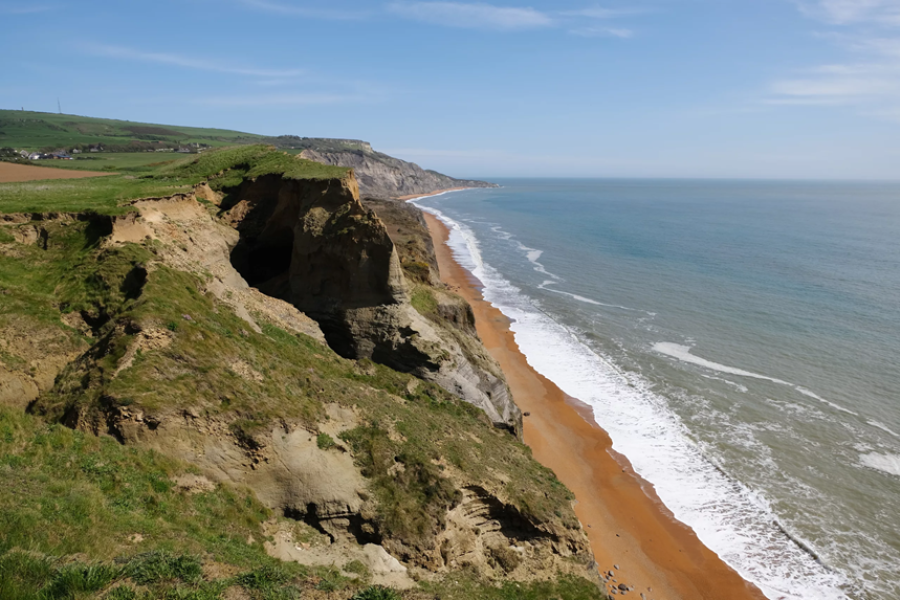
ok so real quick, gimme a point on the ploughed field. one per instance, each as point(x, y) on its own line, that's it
point(13, 173)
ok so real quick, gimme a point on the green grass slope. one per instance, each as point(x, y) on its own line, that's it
point(45, 131)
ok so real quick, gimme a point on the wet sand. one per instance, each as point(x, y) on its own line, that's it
point(15, 173)
point(625, 521)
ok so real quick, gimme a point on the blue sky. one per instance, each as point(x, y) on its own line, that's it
point(645, 88)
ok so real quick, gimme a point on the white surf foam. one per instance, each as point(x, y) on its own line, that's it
point(814, 396)
point(734, 384)
point(683, 353)
point(735, 522)
point(419, 198)
point(884, 428)
point(534, 255)
point(886, 463)
point(546, 287)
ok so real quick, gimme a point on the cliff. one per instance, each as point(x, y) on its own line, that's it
point(314, 245)
point(383, 176)
point(264, 393)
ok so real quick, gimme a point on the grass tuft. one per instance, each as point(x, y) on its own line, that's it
point(377, 592)
point(325, 441)
point(161, 566)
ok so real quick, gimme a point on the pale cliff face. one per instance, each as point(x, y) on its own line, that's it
point(315, 245)
point(382, 176)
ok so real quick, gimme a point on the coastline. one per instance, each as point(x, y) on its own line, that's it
point(626, 523)
point(437, 193)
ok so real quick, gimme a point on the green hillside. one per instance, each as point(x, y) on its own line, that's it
point(37, 131)
point(42, 131)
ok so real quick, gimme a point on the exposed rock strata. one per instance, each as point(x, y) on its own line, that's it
point(324, 488)
point(383, 176)
point(314, 244)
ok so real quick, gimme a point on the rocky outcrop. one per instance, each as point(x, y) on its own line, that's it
point(323, 488)
point(315, 245)
point(192, 240)
point(383, 176)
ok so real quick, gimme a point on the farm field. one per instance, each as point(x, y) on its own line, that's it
point(15, 173)
point(120, 162)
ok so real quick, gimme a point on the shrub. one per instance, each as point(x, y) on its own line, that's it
point(325, 441)
point(123, 592)
point(377, 592)
point(154, 567)
point(78, 579)
point(22, 575)
point(264, 577)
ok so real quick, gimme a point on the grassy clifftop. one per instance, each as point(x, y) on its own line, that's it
point(109, 195)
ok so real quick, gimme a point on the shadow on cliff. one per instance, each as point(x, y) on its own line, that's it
point(314, 244)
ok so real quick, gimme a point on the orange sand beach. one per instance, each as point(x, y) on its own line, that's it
point(417, 196)
point(14, 173)
point(625, 521)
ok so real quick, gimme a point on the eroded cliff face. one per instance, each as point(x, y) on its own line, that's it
point(177, 327)
point(383, 176)
point(315, 245)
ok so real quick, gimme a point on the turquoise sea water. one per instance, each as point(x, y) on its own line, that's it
point(738, 340)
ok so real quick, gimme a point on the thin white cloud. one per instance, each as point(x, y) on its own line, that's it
point(862, 84)
point(838, 88)
point(288, 9)
point(187, 62)
point(617, 32)
point(472, 15)
point(597, 12)
point(284, 100)
point(469, 15)
point(849, 12)
point(869, 81)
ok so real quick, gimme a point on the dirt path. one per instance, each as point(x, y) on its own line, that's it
point(13, 173)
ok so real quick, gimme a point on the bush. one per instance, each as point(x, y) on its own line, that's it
point(78, 579)
point(325, 441)
point(154, 567)
point(377, 592)
point(264, 577)
point(123, 592)
point(22, 575)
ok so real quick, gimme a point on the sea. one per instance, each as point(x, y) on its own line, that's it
point(738, 340)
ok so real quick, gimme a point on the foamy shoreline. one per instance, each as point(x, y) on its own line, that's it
point(414, 197)
point(626, 523)
point(720, 531)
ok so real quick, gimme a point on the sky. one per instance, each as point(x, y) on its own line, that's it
point(502, 88)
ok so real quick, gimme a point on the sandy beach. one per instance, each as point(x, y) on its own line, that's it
point(416, 196)
point(627, 524)
point(14, 173)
